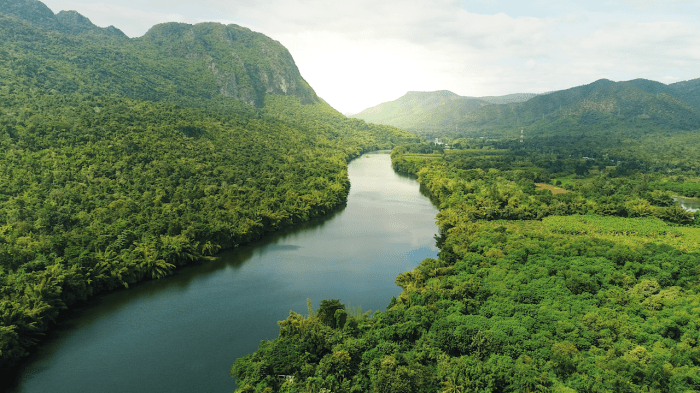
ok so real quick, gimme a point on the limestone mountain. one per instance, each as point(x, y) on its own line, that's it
point(173, 62)
point(241, 64)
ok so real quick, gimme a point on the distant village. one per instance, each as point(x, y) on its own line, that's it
point(444, 146)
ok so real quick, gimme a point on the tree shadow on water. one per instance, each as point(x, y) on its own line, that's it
point(105, 304)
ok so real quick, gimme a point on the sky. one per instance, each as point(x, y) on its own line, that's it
point(359, 53)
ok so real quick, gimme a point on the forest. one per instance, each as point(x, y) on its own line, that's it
point(602, 108)
point(114, 172)
point(590, 289)
point(102, 192)
point(124, 159)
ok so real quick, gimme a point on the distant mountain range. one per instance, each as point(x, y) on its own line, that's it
point(601, 104)
point(431, 112)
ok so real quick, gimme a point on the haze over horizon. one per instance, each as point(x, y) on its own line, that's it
point(357, 55)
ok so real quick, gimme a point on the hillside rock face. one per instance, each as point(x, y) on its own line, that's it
point(70, 22)
point(171, 62)
point(247, 65)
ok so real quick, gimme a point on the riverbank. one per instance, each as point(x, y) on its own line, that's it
point(180, 333)
point(689, 204)
point(531, 292)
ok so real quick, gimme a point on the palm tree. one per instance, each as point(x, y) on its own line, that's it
point(151, 263)
point(451, 385)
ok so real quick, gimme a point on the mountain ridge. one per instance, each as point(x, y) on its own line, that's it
point(434, 110)
point(70, 22)
point(675, 106)
point(126, 158)
point(171, 62)
point(227, 51)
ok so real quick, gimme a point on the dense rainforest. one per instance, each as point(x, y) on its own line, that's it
point(123, 159)
point(556, 273)
point(565, 264)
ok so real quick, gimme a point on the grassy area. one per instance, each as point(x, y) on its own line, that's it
point(565, 181)
point(641, 226)
point(553, 189)
point(421, 155)
point(628, 231)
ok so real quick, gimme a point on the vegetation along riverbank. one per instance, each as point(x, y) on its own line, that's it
point(592, 290)
point(126, 158)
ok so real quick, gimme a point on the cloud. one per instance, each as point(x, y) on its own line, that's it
point(356, 54)
point(658, 4)
point(405, 46)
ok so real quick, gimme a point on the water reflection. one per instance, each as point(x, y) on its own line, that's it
point(689, 204)
point(184, 332)
point(236, 257)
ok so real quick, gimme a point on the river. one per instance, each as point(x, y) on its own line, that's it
point(689, 204)
point(183, 333)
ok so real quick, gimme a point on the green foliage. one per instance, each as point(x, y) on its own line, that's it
point(532, 292)
point(115, 191)
point(648, 227)
point(432, 114)
point(601, 114)
point(328, 313)
point(686, 188)
point(198, 65)
point(125, 159)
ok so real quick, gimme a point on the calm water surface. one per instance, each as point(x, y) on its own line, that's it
point(182, 334)
point(689, 204)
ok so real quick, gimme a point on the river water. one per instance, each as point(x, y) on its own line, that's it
point(183, 333)
point(689, 204)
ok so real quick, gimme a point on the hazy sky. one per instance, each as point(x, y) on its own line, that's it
point(359, 53)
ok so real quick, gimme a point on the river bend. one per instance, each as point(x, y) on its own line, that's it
point(181, 334)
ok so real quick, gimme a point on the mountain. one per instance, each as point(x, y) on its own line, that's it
point(242, 64)
point(431, 113)
point(40, 15)
point(637, 104)
point(633, 106)
point(688, 91)
point(126, 158)
point(172, 62)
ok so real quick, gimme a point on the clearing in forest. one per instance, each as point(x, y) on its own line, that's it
point(553, 189)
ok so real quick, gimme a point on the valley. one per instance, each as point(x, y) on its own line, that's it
point(180, 333)
point(169, 203)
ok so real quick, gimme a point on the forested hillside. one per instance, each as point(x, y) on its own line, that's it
point(174, 62)
point(431, 114)
point(600, 109)
point(40, 15)
point(565, 264)
point(593, 288)
point(125, 158)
